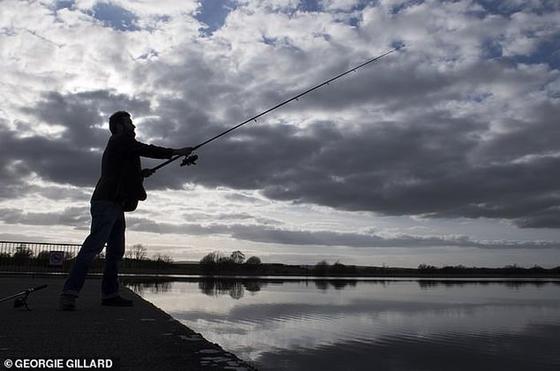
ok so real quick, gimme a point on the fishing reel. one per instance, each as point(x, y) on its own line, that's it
point(189, 160)
point(20, 299)
point(21, 302)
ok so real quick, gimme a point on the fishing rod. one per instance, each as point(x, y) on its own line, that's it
point(190, 159)
point(21, 297)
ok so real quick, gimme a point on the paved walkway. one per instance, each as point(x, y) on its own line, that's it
point(138, 338)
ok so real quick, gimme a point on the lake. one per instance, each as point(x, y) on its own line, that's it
point(375, 324)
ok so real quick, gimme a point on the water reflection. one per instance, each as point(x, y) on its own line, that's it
point(384, 324)
point(142, 286)
point(514, 284)
point(234, 288)
point(336, 284)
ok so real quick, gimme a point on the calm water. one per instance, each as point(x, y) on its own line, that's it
point(372, 325)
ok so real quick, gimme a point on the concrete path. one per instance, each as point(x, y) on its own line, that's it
point(141, 337)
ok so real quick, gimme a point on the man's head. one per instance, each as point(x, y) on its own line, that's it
point(120, 122)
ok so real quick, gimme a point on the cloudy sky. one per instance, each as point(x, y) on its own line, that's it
point(446, 152)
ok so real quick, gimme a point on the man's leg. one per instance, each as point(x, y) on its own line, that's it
point(113, 256)
point(104, 214)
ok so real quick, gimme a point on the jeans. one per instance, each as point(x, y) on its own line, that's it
point(107, 226)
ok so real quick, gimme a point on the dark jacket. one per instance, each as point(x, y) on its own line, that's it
point(121, 172)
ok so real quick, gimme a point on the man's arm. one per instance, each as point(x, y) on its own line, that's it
point(151, 151)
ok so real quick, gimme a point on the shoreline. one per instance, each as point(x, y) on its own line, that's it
point(466, 277)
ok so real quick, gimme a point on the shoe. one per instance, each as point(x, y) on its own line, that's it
point(117, 301)
point(67, 302)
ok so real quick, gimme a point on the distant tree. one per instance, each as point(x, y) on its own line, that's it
point(426, 268)
point(537, 269)
point(162, 258)
point(22, 254)
point(321, 268)
point(338, 268)
point(128, 254)
point(351, 269)
point(254, 260)
point(139, 252)
point(211, 258)
point(209, 263)
point(44, 255)
point(513, 268)
point(447, 269)
point(237, 257)
point(5, 258)
point(225, 261)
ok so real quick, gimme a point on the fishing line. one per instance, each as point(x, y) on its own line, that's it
point(190, 159)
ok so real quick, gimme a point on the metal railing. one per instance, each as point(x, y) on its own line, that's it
point(18, 256)
point(42, 257)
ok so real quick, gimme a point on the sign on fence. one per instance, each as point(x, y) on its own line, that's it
point(56, 258)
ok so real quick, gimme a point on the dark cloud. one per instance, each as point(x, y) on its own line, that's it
point(67, 159)
point(51, 159)
point(546, 218)
point(19, 237)
point(266, 234)
point(198, 216)
point(72, 216)
point(58, 193)
point(84, 115)
point(12, 174)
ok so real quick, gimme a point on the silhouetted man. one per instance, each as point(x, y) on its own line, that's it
point(118, 190)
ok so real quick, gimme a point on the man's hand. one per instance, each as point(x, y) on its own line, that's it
point(183, 151)
point(147, 172)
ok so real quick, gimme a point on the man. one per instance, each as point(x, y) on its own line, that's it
point(118, 190)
